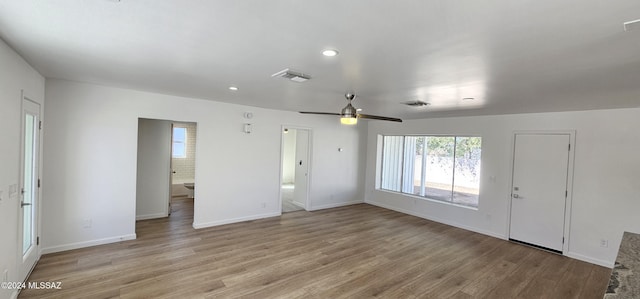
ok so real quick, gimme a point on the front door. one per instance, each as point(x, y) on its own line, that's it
point(28, 240)
point(539, 189)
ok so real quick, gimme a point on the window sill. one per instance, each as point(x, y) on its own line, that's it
point(427, 199)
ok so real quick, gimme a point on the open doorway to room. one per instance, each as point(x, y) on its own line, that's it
point(166, 170)
point(295, 168)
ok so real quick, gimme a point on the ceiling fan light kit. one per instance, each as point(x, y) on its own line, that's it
point(348, 120)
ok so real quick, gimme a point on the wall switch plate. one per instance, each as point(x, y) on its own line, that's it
point(13, 190)
point(5, 275)
point(604, 243)
point(86, 223)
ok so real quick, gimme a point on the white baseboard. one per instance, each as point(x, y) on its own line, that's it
point(87, 244)
point(587, 259)
point(151, 216)
point(334, 205)
point(440, 220)
point(235, 220)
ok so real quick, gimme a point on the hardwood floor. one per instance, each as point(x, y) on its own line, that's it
point(351, 252)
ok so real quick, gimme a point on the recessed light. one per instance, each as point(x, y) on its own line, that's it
point(233, 88)
point(468, 99)
point(330, 52)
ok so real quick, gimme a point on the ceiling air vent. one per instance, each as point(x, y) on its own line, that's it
point(631, 25)
point(416, 104)
point(292, 75)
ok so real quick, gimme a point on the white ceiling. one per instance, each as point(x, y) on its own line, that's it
point(512, 56)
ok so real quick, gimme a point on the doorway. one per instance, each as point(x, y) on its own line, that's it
point(29, 208)
point(166, 166)
point(542, 170)
point(295, 157)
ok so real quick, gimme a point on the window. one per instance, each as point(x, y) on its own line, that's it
point(444, 168)
point(179, 149)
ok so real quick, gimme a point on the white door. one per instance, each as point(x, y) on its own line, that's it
point(539, 189)
point(301, 180)
point(28, 219)
point(153, 189)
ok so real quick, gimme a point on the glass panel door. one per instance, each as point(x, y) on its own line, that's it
point(29, 178)
point(29, 187)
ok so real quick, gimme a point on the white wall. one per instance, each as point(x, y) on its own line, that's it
point(15, 75)
point(90, 161)
point(606, 193)
point(154, 169)
point(289, 157)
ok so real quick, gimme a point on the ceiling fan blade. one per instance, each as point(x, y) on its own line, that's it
point(323, 113)
point(379, 117)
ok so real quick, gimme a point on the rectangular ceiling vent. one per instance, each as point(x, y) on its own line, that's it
point(632, 25)
point(292, 75)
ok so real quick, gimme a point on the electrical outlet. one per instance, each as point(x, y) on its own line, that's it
point(86, 223)
point(604, 243)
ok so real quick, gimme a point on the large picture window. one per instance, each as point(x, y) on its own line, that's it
point(444, 168)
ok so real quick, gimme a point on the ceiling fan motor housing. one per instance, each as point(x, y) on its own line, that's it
point(348, 111)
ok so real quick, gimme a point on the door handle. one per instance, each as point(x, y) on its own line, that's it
point(515, 195)
point(22, 204)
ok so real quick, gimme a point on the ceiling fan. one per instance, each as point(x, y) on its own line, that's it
point(349, 115)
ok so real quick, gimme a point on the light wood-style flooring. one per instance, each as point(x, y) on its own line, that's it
point(357, 251)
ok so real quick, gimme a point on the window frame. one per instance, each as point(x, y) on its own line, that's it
point(402, 178)
point(184, 142)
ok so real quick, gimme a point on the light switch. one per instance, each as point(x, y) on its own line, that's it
point(13, 190)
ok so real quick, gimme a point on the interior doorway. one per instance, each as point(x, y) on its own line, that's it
point(542, 165)
point(296, 163)
point(166, 167)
